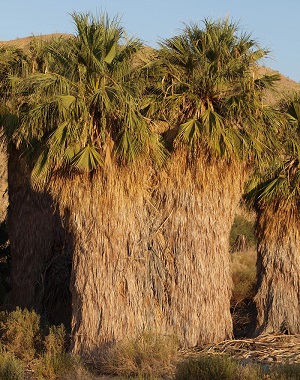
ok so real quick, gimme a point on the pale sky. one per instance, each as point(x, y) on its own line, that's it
point(275, 24)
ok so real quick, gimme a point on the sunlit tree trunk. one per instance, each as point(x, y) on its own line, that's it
point(199, 199)
point(278, 269)
point(152, 252)
point(118, 285)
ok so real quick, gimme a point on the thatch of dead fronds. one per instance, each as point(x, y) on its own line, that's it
point(278, 268)
point(197, 198)
point(111, 217)
point(156, 248)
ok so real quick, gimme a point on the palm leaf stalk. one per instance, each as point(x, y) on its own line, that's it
point(219, 127)
point(276, 201)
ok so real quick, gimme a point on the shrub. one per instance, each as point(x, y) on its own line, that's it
point(21, 333)
point(10, 367)
point(54, 360)
point(218, 367)
point(21, 338)
point(148, 356)
point(207, 368)
point(286, 372)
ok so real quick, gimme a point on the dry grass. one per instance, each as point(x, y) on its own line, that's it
point(147, 356)
point(198, 197)
point(243, 267)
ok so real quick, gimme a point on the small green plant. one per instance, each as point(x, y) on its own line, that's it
point(148, 356)
point(11, 368)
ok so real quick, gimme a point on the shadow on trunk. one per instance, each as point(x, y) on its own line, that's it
point(41, 248)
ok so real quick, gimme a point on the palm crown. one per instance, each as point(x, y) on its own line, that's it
point(280, 182)
point(87, 104)
point(212, 90)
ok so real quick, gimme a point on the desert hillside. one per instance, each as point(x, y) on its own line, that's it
point(25, 41)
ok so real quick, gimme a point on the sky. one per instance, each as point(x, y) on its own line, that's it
point(275, 24)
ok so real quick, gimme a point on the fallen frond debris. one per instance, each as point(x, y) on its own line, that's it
point(267, 349)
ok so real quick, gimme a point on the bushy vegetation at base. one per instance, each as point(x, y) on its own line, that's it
point(25, 345)
point(220, 367)
point(11, 368)
point(28, 351)
point(148, 356)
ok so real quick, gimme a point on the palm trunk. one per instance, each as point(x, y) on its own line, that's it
point(152, 257)
point(278, 269)
point(117, 281)
point(36, 238)
point(200, 198)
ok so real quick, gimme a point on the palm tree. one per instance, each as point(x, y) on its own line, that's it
point(219, 126)
point(35, 232)
point(276, 200)
point(84, 130)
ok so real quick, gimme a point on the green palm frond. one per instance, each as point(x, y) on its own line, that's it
point(128, 146)
point(41, 168)
point(87, 159)
point(280, 181)
point(267, 81)
point(190, 132)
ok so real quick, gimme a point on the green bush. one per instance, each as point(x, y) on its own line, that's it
point(21, 338)
point(10, 367)
point(217, 367)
